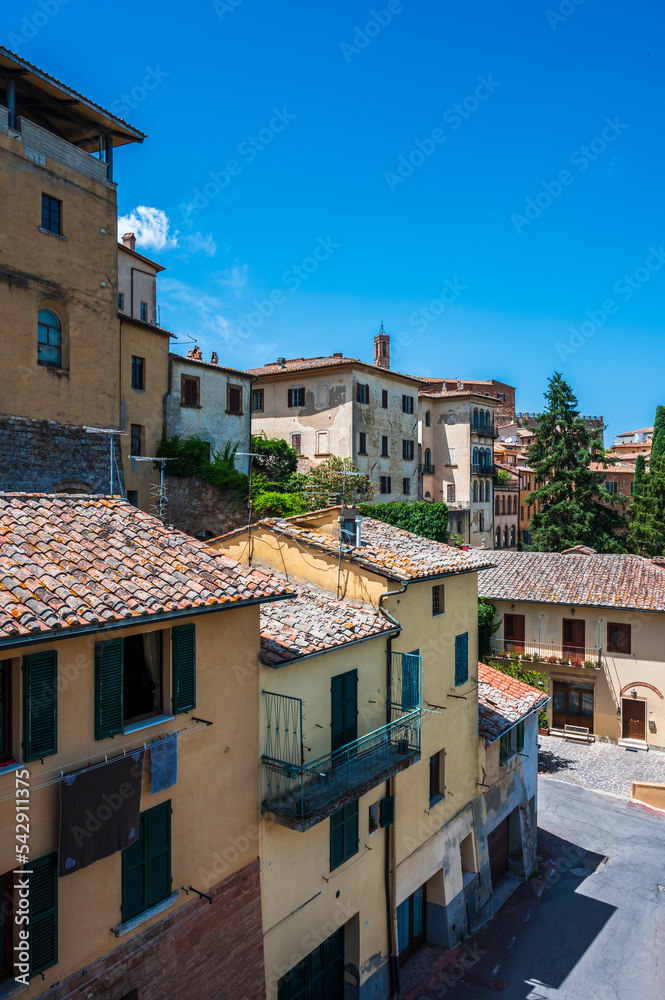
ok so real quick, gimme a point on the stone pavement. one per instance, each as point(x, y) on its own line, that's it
point(602, 767)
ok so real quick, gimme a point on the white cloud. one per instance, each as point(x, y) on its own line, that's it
point(235, 279)
point(150, 226)
point(197, 242)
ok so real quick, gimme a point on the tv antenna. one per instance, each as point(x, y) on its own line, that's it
point(111, 431)
point(159, 492)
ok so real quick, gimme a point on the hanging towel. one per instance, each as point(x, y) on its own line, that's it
point(164, 763)
point(99, 811)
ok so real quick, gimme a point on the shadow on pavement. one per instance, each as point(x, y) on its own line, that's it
point(549, 762)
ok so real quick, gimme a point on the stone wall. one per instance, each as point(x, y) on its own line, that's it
point(42, 456)
point(194, 506)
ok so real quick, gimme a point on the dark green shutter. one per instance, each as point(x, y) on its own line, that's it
point(351, 829)
point(344, 709)
point(183, 639)
point(40, 705)
point(134, 880)
point(159, 853)
point(109, 688)
point(410, 693)
point(503, 749)
point(520, 736)
point(336, 839)
point(43, 903)
point(461, 658)
point(387, 810)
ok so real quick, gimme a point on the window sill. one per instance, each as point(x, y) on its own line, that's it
point(47, 232)
point(10, 988)
point(434, 801)
point(234, 413)
point(9, 768)
point(143, 918)
point(154, 720)
point(321, 454)
point(54, 368)
point(191, 406)
point(135, 389)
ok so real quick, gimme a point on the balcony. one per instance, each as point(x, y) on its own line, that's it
point(426, 470)
point(483, 470)
point(550, 654)
point(485, 432)
point(41, 145)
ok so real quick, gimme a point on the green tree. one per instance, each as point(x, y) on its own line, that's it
point(335, 480)
point(647, 528)
point(277, 461)
point(573, 507)
point(658, 440)
point(195, 457)
point(488, 624)
point(422, 518)
point(638, 479)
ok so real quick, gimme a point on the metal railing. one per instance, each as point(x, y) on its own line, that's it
point(547, 652)
point(302, 795)
point(426, 470)
point(483, 470)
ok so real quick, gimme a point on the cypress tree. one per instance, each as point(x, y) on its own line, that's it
point(647, 529)
point(572, 505)
point(638, 479)
point(658, 440)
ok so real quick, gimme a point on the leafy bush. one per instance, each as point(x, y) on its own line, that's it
point(276, 504)
point(277, 460)
point(195, 457)
point(430, 520)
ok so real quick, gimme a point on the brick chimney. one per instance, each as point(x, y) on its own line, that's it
point(129, 241)
point(382, 349)
point(214, 360)
point(196, 354)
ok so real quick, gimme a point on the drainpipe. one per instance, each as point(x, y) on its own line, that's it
point(11, 102)
point(391, 839)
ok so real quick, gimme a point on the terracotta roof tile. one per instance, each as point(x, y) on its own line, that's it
point(308, 364)
point(68, 561)
point(503, 701)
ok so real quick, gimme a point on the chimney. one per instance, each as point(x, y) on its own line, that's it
point(129, 241)
point(382, 349)
point(214, 360)
point(281, 362)
point(196, 354)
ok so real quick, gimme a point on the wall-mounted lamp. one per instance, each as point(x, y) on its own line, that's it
point(572, 611)
point(634, 693)
point(512, 607)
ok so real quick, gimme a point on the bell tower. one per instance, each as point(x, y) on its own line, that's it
point(382, 349)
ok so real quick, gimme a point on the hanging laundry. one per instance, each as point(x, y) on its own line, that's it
point(99, 811)
point(164, 763)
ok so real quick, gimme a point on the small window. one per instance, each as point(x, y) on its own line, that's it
point(133, 497)
point(406, 486)
point(49, 339)
point(136, 440)
point(343, 835)
point(522, 513)
point(144, 312)
point(5, 713)
point(437, 787)
point(407, 404)
point(189, 390)
point(146, 864)
point(428, 418)
point(481, 519)
point(407, 450)
point(373, 818)
point(438, 602)
point(322, 447)
point(384, 447)
point(257, 400)
point(138, 373)
point(612, 486)
point(428, 468)
point(508, 745)
point(296, 397)
point(121, 301)
point(362, 393)
point(362, 443)
point(461, 659)
point(385, 485)
point(296, 443)
point(450, 492)
point(234, 400)
point(618, 637)
point(384, 399)
point(51, 214)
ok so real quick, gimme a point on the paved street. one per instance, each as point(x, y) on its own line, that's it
point(590, 927)
point(602, 766)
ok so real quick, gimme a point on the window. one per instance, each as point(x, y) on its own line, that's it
point(362, 443)
point(522, 513)
point(406, 486)
point(384, 446)
point(461, 659)
point(322, 447)
point(496, 505)
point(474, 491)
point(503, 505)
point(512, 535)
point(428, 461)
point(497, 538)
point(40, 735)
point(407, 404)
point(296, 397)
point(437, 788)
point(189, 390)
point(51, 214)
point(438, 603)
point(511, 743)
point(502, 396)
point(257, 400)
point(411, 680)
point(121, 301)
point(146, 864)
point(138, 373)
point(450, 492)
point(475, 458)
point(373, 818)
point(362, 393)
point(407, 451)
point(487, 492)
point(43, 913)
point(505, 535)
point(384, 399)
point(475, 420)
point(481, 519)
point(322, 394)
point(618, 638)
point(385, 485)
point(234, 399)
point(144, 312)
point(612, 486)
point(296, 443)
point(136, 440)
point(5, 715)
point(528, 513)
point(7, 925)
point(133, 497)
point(428, 418)
point(49, 339)
point(343, 835)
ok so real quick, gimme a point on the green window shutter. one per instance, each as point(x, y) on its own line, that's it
point(351, 829)
point(503, 749)
point(134, 881)
point(461, 658)
point(109, 688)
point(159, 853)
point(387, 810)
point(43, 903)
point(344, 709)
point(184, 668)
point(410, 692)
point(40, 705)
point(520, 736)
point(336, 839)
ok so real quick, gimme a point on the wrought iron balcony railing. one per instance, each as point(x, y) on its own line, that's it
point(555, 654)
point(299, 796)
point(426, 470)
point(482, 470)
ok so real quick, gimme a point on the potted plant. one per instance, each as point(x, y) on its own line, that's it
point(590, 664)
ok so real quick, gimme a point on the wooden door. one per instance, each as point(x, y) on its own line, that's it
point(344, 709)
point(513, 633)
point(633, 715)
point(497, 842)
point(572, 706)
point(573, 638)
point(411, 931)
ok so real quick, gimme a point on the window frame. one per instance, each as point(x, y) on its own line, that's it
point(438, 600)
point(138, 373)
point(428, 418)
point(362, 393)
point(296, 443)
point(143, 312)
point(408, 449)
point(49, 327)
point(384, 399)
point(186, 393)
point(47, 221)
point(407, 403)
point(257, 394)
point(147, 863)
point(362, 443)
point(437, 777)
point(385, 446)
point(121, 301)
point(231, 389)
point(294, 399)
point(621, 628)
point(136, 439)
point(385, 485)
point(406, 486)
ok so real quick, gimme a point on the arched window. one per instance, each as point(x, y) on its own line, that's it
point(503, 505)
point(49, 339)
point(505, 536)
point(487, 419)
point(481, 420)
point(475, 491)
point(475, 420)
point(497, 542)
point(428, 460)
point(512, 535)
point(515, 504)
point(475, 457)
point(496, 505)
point(488, 458)
point(487, 491)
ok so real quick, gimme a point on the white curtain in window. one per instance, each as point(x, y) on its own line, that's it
point(152, 652)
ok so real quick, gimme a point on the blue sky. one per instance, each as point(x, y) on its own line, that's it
point(485, 178)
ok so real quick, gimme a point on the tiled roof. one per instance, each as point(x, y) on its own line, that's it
point(314, 622)
point(307, 364)
point(209, 364)
point(599, 581)
point(388, 551)
point(445, 393)
point(73, 561)
point(642, 430)
point(503, 701)
point(609, 469)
